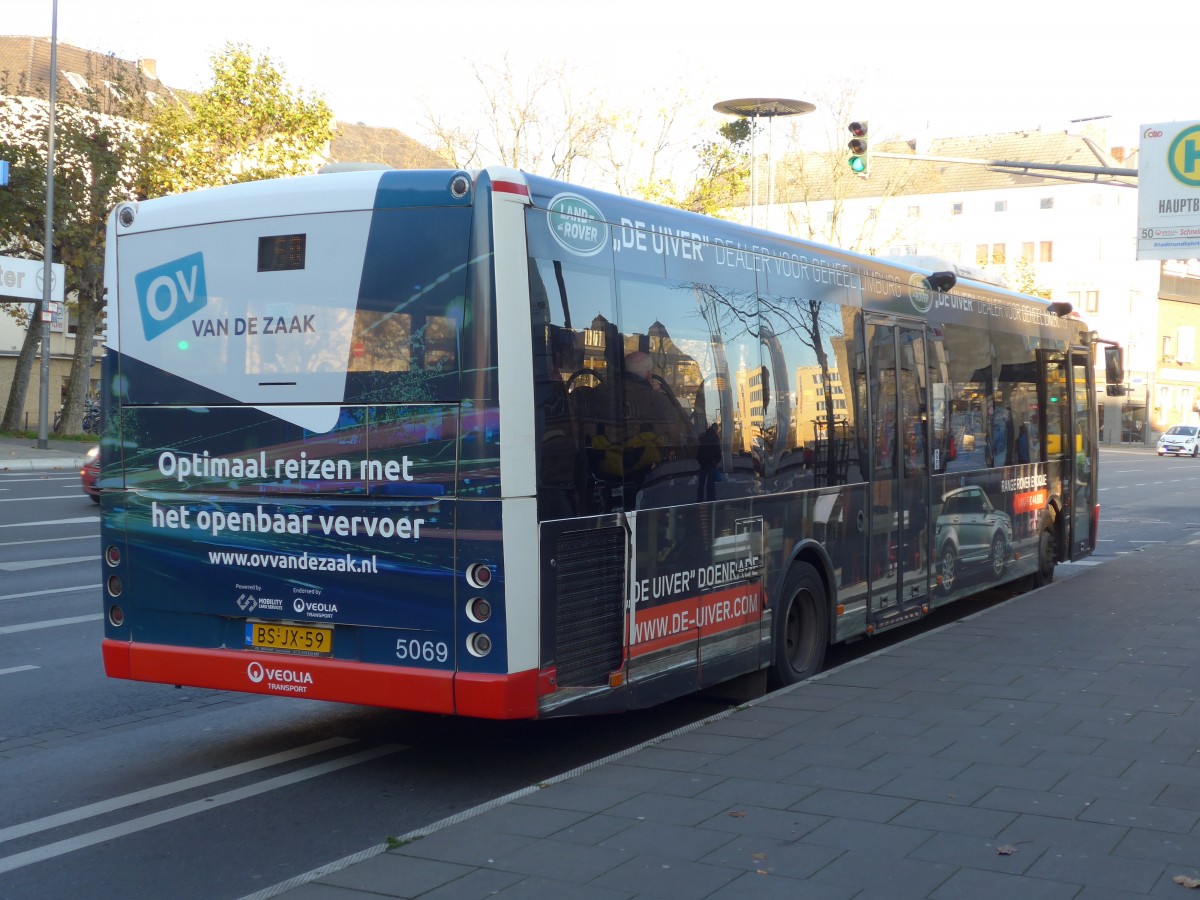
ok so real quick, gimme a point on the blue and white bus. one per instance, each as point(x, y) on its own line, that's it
point(493, 445)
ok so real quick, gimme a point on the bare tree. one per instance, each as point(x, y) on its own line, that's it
point(816, 184)
point(538, 123)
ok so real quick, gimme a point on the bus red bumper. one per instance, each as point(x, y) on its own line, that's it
point(420, 690)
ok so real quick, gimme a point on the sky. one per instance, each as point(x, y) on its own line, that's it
point(922, 67)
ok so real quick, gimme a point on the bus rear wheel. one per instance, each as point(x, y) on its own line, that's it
point(800, 626)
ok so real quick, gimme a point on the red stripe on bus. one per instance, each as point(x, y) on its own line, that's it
point(281, 676)
point(510, 187)
point(512, 696)
point(686, 620)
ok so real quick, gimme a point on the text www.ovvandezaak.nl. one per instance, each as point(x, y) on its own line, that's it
point(305, 562)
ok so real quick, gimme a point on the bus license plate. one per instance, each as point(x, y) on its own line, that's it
point(290, 638)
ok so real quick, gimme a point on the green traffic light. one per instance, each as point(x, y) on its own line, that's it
point(857, 164)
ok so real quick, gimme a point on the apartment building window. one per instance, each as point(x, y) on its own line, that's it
point(956, 209)
point(1027, 252)
point(1047, 203)
point(981, 254)
point(1091, 301)
point(998, 253)
point(1001, 205)
point(1046, 251)
point(1185, 344)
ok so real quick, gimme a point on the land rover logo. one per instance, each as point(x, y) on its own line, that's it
point(577, 225)
point(918, 293)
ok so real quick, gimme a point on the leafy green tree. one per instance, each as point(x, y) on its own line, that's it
point(249, 124)
point(724, 170)
point(95, 157)
point(1023, 278)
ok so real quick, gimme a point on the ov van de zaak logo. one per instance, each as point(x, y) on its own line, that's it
point(171, 293)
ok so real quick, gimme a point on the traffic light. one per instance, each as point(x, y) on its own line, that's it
point(860, 152)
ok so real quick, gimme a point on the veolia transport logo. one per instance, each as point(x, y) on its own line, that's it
point(170, 293)
point(577, 224)
point(1183, 157)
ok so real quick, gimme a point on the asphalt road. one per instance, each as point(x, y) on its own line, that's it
point(118, 789)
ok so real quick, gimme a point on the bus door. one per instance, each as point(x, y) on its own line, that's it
point(898, 555)
point(1083, 463)
point(1070, 445)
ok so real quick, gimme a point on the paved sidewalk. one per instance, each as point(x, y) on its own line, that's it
point(1045, 748)
point(23, 454)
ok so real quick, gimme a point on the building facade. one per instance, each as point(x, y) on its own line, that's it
point(1064, 240)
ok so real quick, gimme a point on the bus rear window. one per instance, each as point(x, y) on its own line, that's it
point(411, 307)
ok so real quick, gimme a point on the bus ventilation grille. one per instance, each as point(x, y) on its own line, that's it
point(589, 623)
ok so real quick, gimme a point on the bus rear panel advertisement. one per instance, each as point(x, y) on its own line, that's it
point(499, 446)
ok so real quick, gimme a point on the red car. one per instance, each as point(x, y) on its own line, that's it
point(90, 474)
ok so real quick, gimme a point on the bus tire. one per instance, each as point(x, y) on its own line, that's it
point(999, 555)
point(800, 625)
point(1046, 554)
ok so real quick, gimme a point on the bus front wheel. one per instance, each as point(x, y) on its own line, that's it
point(1047, 554)
point(801, 626)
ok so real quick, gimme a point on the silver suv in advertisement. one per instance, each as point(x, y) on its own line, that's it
point(970, 531)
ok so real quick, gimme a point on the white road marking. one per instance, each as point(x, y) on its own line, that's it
point(48, 623)
point(76, 521)
point(17, 669)
point(59, 848)
point(67, 590)
point(13, 479)
point(46, 563)
point(163, 790)
point(77, 496)
point(78, 537)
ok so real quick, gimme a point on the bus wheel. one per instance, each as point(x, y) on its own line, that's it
point(949, 561)
point(801, 626)
point(1047, 550)
point(999, 555)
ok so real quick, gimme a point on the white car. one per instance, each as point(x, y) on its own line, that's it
point(1180, 440)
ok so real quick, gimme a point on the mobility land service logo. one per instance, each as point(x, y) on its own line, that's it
point(170, 293)
point(577, 224)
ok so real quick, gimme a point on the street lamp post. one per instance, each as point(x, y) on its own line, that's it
point(769, 108)
point(48, 246)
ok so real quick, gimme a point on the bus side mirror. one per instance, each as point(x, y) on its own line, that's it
point(1114, 369)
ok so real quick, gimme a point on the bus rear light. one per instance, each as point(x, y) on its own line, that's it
point(112, 555)
point(114, 585)
point(116, 616)
point(479, 644)
point(479, 575)
point(478, 610)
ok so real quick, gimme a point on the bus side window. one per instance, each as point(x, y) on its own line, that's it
point(1017, 398)
point(970, 396)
